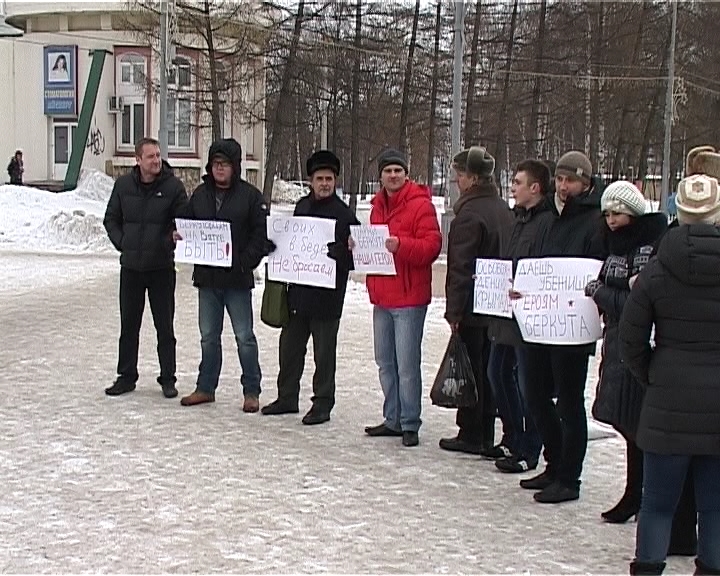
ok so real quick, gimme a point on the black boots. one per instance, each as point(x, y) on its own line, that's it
point(647, 568)
point(629, 504)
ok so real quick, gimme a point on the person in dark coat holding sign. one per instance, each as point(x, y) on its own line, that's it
point(630, 237)
point(481, 229)
point(225, 196)
point(316, 311)
point(562, 369)
point(139, 220)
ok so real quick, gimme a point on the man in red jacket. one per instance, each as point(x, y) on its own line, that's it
point(401, 301)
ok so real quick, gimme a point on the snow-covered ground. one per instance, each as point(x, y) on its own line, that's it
point(140, 484)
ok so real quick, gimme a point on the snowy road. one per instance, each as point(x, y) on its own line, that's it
point(140, 484)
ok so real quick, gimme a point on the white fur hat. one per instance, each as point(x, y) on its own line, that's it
point(623, 197)
point(698, 200)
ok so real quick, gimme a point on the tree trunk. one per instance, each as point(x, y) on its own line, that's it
point(433, 97)
point(595, 87)
point(215, 93)
point(276, 127)
point(405, 105)
point(471, 132)
point(355, 111)
point(534, 144)
point(502, 122)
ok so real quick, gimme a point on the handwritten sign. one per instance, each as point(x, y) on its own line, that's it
point(369, 254)
point(207, 242)
point(493, 280)
point(554, 308)
point(301, 254)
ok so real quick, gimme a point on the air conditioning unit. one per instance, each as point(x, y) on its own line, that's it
point(115, 104)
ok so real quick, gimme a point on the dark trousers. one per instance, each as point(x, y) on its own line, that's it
point(477, 424)
point(160, 287)
point(293, 348)
point(562, 425)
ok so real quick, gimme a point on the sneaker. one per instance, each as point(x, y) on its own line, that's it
point(277, 407)
point(381, 430)
point(120, 387)
point(315, 416)
point(496, 452)
point(197, 397)
point(457, 444)
point(410, 438)
point(557, 493)
point(539, 482)
point(251, 404)
point(515, 465)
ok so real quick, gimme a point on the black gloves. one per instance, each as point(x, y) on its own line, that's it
point(337, 251)
point(592, 287)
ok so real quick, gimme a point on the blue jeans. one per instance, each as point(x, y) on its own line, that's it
point(212, 304)
point(663, 479)
point(398, 336)
point(508, 374)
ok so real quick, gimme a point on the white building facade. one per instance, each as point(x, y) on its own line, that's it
point(45, 75)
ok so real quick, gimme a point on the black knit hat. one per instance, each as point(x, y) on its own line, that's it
point(322, 159)
point(475, 160)
point(390, 157)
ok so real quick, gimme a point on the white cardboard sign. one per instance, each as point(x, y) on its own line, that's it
point(493, 281)
point(553, 308)
point(206, 242)
point(369, 253)
point(301, 254)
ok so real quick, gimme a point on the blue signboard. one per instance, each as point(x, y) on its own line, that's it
point(60, 80)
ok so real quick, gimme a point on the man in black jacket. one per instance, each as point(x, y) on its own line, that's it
point(224, 195)
point(139, 221)
point(562, 369)
point(315, 311)
point(16, 169)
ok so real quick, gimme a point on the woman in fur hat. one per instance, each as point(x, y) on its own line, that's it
point(630, 238)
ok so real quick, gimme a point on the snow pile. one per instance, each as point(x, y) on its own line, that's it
point(95, 185)
point(39, 221)
point(287, 192)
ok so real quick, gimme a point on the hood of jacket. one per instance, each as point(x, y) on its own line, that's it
point(230, 148)
point(642, 231)
point(691, 253)
point(409, 191)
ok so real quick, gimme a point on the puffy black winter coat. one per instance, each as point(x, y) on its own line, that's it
point(679, 292)
point(244, 207)
point(528, 232)
point(325, 303)
point(619, 395)
point(139, 219)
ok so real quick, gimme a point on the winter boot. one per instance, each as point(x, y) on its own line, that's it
point(457, 444)
point(557, 492)
point(650, 568)
point(120, 387)
point(539, 482)
point(629, 504)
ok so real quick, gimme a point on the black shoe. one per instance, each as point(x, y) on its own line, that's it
point(457, 444)
point(277, 407)
point(120, 387)
point(515, 465)
point(628, 507)
point(556, 493)
point(315, 416)
point(410, 438)
point(169, 390)
point(539, 482)
point(496, 452)
point(381, 430)
point(654, 569)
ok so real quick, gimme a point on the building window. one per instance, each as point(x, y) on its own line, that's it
point(132, 70)
point(180, 129)
point(132, 124)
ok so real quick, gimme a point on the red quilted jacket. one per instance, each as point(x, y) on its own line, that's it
point(410, 216)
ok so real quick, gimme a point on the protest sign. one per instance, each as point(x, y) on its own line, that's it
point(207, 242)
point(301, 254)
point(493, 281)
point(553, 308)
point(369, 253)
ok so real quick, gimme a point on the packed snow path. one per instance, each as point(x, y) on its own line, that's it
point(140, 484)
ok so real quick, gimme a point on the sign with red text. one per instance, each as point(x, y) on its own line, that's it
point(206, 242)
point(301, 253)
point(369, 253)
point(493, 281)
point(553, 308)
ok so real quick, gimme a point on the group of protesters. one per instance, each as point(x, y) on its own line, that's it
point(659, 390)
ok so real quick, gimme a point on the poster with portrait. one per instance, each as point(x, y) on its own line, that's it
point(60, 80)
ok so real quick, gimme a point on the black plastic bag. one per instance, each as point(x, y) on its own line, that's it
point(454, 385)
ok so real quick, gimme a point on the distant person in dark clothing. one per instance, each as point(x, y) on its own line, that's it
point(16, 168)
point(139, 220)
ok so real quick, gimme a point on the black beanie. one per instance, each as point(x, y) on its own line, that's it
point(390, 157)
point(322, 159)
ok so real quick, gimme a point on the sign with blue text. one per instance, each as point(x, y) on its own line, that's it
point(60, 81)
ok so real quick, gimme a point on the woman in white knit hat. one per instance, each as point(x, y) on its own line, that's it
point(678, 293)
point(630, 238)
